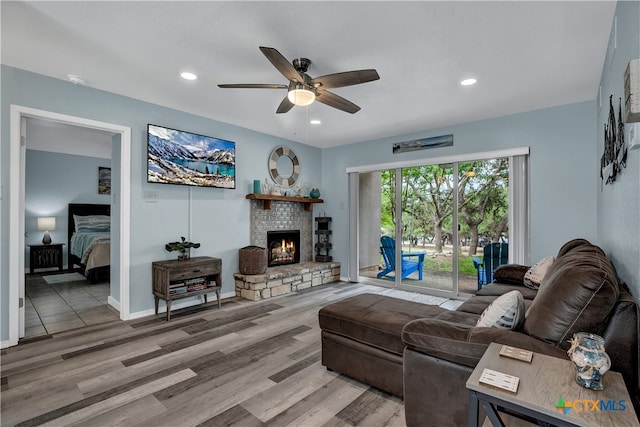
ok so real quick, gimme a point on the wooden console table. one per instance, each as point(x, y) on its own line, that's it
point(543, 382)
point(177, 279)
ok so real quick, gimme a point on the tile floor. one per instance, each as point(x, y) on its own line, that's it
point(51, 308)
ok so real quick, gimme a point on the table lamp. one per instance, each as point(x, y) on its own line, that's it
point(46, 224)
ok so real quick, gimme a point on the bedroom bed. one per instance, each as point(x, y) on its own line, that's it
point(89, 240)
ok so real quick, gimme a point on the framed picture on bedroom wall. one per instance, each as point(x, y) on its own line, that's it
point(104, 180)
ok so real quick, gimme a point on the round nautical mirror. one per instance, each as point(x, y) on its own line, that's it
point(284, 166)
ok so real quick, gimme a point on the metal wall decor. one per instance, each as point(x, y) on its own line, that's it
point(287, 174)
point(422, 144)
point(614, 157)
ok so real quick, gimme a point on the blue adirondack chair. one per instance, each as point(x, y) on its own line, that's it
point(493, 255)
point(410, 262)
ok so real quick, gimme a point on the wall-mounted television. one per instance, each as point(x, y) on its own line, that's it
point(185, 158)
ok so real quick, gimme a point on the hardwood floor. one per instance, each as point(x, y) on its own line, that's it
point(248, 364)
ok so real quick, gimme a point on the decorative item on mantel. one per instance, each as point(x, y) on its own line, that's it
point(591, 361)
point(184, 247)
point(314, 193)
point(266, 187)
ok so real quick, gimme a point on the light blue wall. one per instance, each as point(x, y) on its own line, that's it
point(52, 181)
point(619, 203)
point(565, 143)
point(562, 171)
point(216, 218)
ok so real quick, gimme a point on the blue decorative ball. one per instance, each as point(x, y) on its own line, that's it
point(315, 193)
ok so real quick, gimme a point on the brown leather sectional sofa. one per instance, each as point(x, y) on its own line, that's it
point(426, 353)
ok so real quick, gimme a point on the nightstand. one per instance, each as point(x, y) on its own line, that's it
point(45, 256)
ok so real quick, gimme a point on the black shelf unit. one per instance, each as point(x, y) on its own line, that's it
point(323, 237)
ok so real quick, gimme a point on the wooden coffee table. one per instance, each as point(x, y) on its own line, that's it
point(546, 383)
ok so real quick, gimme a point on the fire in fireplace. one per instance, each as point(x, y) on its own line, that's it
point(283, 247)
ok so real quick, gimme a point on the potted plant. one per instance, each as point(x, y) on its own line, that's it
point(183, 247)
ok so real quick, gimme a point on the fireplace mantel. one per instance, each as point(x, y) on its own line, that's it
point(267, 198)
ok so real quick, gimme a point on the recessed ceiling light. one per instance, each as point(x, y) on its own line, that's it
point(468, 82)
point(315, 122)
point(77, 80)
point(188, 76)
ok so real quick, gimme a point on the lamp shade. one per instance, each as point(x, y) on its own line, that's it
point(301, 96)
point(47, 223)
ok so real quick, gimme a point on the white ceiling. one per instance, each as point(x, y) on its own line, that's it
point(525, 55)
point(46, 135)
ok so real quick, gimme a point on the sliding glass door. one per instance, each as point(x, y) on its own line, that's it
point(483, 216)
point(424, 227)
point(428, 227)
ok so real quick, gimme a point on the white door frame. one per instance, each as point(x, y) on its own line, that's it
point(16, 208)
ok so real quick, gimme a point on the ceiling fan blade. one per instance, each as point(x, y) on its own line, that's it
point(335, 101)
point(347, 78)
point(284, 106)
point(282, 64)
point(253, 86)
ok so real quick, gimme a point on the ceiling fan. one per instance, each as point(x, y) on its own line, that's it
point(302, 89)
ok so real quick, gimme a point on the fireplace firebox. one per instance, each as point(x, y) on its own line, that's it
point(283, 247)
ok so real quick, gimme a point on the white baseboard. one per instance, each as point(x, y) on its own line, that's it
point(4, 344)
point(187, 302)
point(113, 302)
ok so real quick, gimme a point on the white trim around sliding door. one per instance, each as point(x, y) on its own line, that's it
point(467, 157)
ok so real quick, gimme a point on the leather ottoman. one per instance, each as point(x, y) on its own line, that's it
point(362, 337)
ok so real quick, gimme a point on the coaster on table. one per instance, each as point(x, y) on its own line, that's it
point(499, 380)
point(516, 353)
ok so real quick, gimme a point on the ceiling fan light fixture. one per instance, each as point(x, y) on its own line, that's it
point(301, 96)
point(188, 76)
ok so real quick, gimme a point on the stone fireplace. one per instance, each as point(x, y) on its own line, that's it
point(283, 247)
point(282, 216)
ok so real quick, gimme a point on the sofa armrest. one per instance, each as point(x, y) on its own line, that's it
point(465, 344)
point(443, 339)
point(419, 255)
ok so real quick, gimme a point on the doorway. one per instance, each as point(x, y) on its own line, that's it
point(120, 203)
point(64, 164)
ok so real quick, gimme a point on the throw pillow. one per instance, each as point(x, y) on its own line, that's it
point(92, 223)
point(533, 277)
point(505, 312)
point(510, 274)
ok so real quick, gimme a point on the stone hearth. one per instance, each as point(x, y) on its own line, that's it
point(285, 279)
